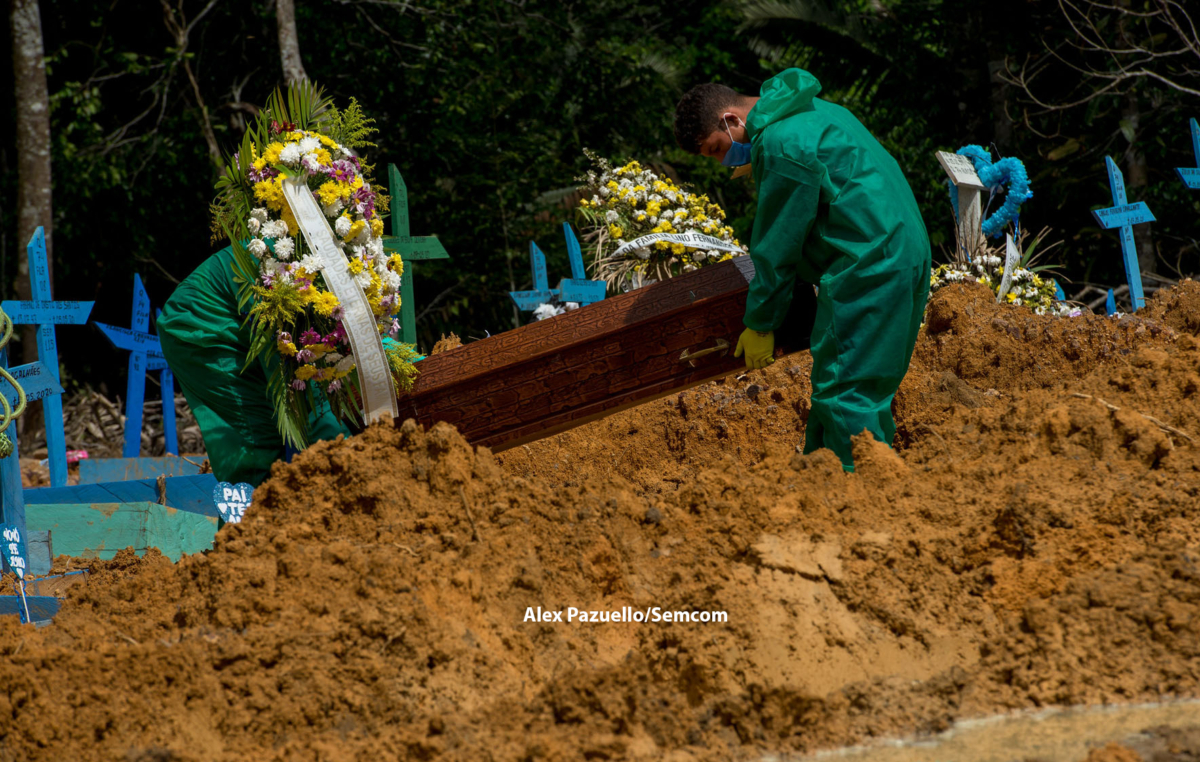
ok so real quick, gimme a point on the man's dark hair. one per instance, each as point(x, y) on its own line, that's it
point(699, 113)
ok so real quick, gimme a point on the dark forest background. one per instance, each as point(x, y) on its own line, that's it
point(486, 106)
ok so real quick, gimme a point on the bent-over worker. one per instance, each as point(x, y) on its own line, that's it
point(834, 210)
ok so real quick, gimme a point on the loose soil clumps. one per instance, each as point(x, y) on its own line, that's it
point(1031, 541)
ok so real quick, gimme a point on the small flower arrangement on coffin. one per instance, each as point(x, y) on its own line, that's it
point(642, 228)
point(295, 318)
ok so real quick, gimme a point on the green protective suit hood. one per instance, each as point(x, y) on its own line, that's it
point(782, 96)
point(835, 211)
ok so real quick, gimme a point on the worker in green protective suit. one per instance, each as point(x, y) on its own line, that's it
point(834, 210)
point(205, 344)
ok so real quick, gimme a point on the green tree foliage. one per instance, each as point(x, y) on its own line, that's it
point(486, 106)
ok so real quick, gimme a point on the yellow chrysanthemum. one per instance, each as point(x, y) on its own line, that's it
point(286, 348)
point(356, 265)
point(358, 227)
point(325, 303)
point(305, 372)
point(271, 155)
point(329, 192)
point(286, 215)
point(376, 227)
point(615, 231)
point(270, 193)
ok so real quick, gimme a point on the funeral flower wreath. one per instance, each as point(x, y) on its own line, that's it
point(294, 318)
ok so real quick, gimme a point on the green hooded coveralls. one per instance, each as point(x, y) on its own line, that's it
point(835, 210)
point(205, 344)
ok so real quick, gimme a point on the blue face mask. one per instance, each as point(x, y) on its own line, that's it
point(738, 153)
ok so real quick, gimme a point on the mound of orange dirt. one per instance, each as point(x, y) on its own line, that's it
point(1031, 541)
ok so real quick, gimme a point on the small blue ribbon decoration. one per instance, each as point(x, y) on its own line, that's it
point(1008, 170)
point(232, 500)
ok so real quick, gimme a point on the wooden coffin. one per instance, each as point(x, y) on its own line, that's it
point(559, 373)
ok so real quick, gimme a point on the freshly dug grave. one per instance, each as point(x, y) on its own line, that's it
point(1026, 546)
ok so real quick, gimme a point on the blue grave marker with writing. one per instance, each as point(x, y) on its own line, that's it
point(45, 313)
point(14, 549)
point(145, 354)
point(1191, 175)
point(38, 383)
point(1058, 292)
point(528, 301)
point(578, 288)
point(1110, 304)
point(1124, 216)
point(232, 500)
point(411, 249)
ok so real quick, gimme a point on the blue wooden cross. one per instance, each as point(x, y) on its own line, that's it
point(1191, 175)
point(578, 288)
point(1124, 215)
point(39, 383)
point(145, 353)
point(45, 313)
point(528, 301)
point(411, 249)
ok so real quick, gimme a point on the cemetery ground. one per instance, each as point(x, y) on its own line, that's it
point(1033, 542)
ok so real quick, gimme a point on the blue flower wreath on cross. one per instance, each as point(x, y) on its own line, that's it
point(1008, 170)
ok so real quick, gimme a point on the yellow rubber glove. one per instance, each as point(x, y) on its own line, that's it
point(759, 348)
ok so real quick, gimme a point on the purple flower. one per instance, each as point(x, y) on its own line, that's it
point(257, 176)
point(299, 385)
point(334, 385)
point(310, 337)
point(338, 336)
point(395, 329)
point(304, 355)
point(342, 171)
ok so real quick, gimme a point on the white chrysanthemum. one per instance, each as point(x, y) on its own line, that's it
point(342, 226)
point(311, 263)
point(257, 247)
point(309, 144)
point(611, 216)
point(345, 364)
point(393, 280)
point(290, 154)
point(375, 246)
point(332, 210)
point(333, 358)
point(547, 310)
point(259, 214)
point(310, 162)
point(253, 225)
point(699, 256)
point(642, 252)
point(363, 279)
point(279, 229)
point(284, 247)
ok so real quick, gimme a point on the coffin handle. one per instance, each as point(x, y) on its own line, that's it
point(690, 358)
